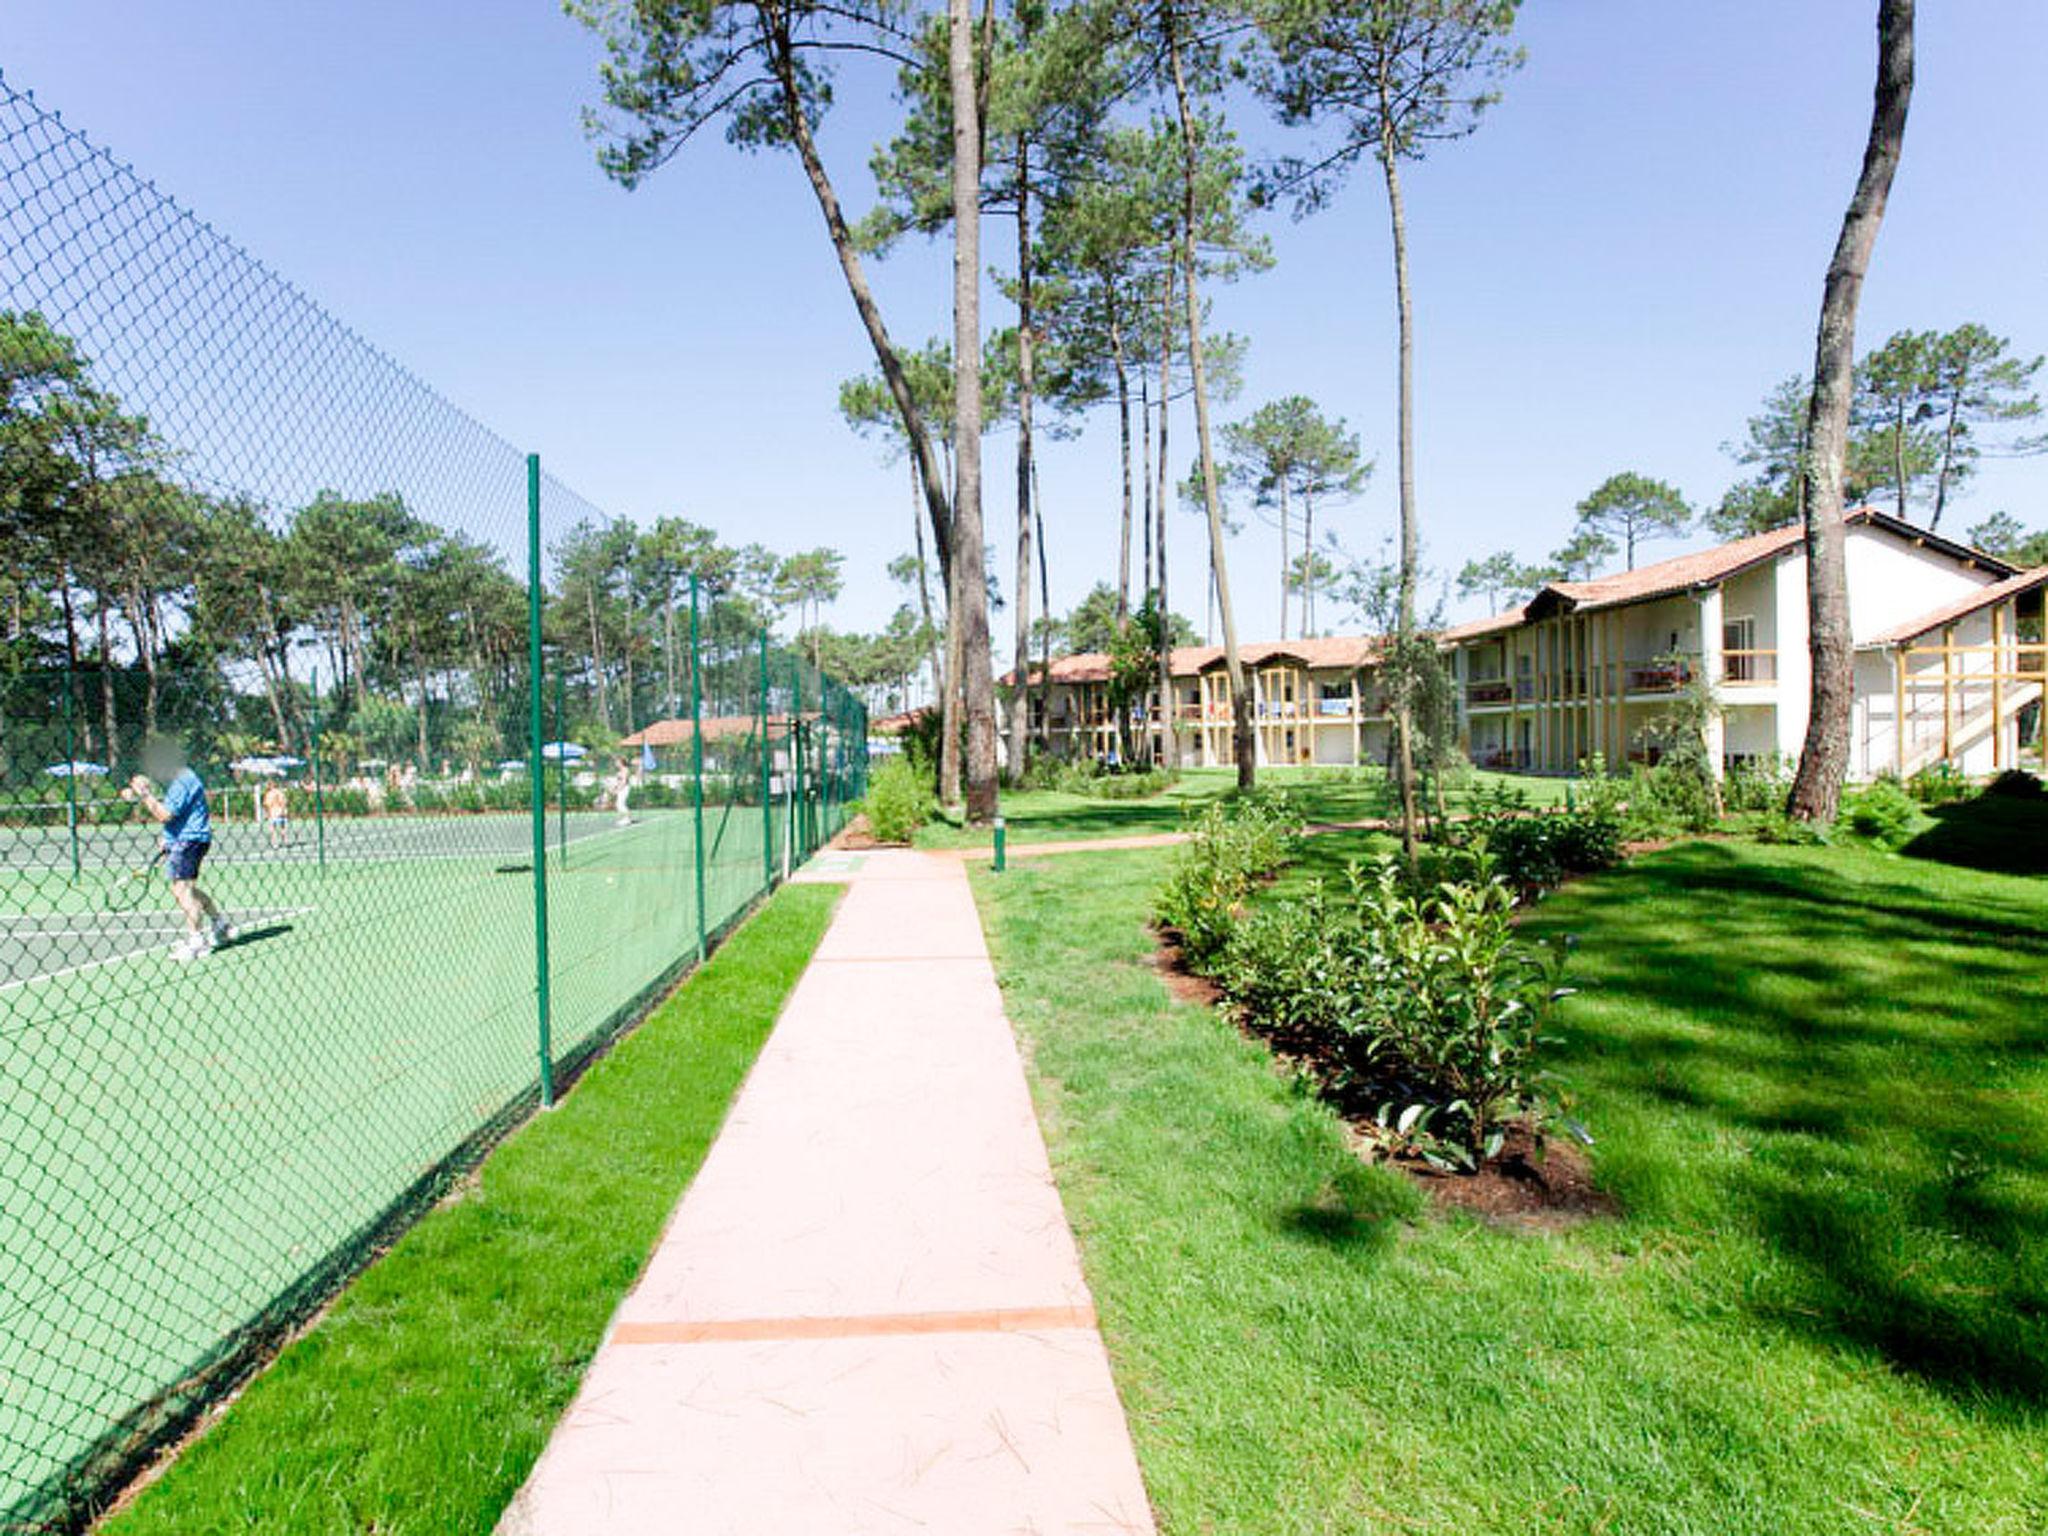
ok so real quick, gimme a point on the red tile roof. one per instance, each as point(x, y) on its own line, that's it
point(1323, 653)
point(1962, 607)
point(1704, 567)
point(676, 733)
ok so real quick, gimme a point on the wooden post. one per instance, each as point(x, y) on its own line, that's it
point(1899, 711)
point(1998, 687)
point(1948, 693)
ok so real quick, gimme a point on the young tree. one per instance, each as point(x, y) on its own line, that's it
point(1634, 508)
point(1891, 404)
point(1286, 453)
point(1392, 78)
point(1578, 558)
point(813, 579)
point(1773, 446)
point(1497, 577)
point(1973, 383)
point(1824, 756)
point(2002, 534)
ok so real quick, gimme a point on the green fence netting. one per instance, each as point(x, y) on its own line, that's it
point(463, 828)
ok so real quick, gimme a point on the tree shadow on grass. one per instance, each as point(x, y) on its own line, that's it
point(1877, 1049)
point(2004, 834)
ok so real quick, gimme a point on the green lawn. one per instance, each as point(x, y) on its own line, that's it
point(1819, 1085)
point(419, 1402)
point(1325, 795)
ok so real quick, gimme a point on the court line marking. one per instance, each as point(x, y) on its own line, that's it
point(114, 959)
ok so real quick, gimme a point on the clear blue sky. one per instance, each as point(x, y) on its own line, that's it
point(1608, 276)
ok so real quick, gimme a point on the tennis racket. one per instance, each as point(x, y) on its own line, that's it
point(123, 889)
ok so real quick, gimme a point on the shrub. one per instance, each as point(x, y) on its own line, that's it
point(1883, 813)
point(1940, 783)
point(1775, 826)
point(1234, 843)
point(1533, 853)
point(1425, 1003)
point(1284, 963)
point(899, 799)
point(1758, 783)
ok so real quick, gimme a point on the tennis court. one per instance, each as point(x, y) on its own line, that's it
point(194, 1143)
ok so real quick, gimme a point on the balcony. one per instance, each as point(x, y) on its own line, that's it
point(1743, 667)
point(1665, 675)
point(1489, 690)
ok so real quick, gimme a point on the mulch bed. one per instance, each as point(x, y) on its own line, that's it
point(1527, 1186)
point(855, 837)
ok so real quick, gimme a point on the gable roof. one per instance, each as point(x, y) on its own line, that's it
point(676, 733)
point(1322, 653)
point(1705, 567)
point(1962, 607)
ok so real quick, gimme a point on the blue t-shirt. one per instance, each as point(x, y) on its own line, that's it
point(189, 820)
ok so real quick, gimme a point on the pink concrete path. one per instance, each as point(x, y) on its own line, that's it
point(867, 1314)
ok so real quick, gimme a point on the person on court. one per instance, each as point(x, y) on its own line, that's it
point(622, 791)
point(181, 810)
point(277, 811)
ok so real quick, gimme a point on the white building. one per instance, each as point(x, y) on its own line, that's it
point(1949, 641)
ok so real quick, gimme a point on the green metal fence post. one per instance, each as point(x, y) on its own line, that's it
point(537, 793)
point(71, 773)
point(767, 781)
point(801, 807)
point(697, 764)
point(319, 778)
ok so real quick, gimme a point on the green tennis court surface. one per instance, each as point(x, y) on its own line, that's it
point(192, 1141)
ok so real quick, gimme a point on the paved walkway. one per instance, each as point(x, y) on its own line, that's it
point(867, 1314)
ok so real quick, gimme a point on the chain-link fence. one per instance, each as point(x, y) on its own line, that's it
point(357, 782)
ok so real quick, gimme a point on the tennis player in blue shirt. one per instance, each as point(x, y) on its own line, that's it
point(188, 837)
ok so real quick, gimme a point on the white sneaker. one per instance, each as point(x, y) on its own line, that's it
point(223, 931)
point(189, 949)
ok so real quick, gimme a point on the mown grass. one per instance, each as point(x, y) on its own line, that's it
point(1819, 1084)
point(418, 1404)
point(1324, 794)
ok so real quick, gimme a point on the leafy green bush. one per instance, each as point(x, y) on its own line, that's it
point(1234, 844)
point(1883, 813)
point(1534, 853)
point(1775, 826)
point(1086, 776)
point(1939, 783)
point(1283, 964)
point(899, 799)
point(1646, 801)
point(1757, 783)
point(1426, 1004)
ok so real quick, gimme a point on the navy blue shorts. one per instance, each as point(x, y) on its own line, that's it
point(182, 860)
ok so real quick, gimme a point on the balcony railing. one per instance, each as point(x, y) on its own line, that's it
point(1751, 666)
point(1489, 690)
point(1661, 676)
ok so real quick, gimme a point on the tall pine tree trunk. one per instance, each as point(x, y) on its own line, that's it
point(1020, 709)
point(1410, 539)
point(977, 674)
point(1824, 757)
point(1212, 496)
point(1123, 427)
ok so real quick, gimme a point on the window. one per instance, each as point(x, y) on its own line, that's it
point(1738, 648)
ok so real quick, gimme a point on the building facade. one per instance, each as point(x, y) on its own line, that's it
point(1951, 667)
